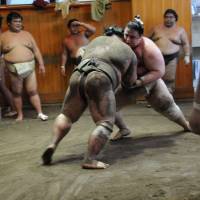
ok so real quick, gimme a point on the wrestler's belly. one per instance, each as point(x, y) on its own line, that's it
point(15, 56)
point(167, 47)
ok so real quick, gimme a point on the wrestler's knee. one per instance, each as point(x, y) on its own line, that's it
point(62, 122)
point(32, 93)
point(104, 129)
point(16, 93)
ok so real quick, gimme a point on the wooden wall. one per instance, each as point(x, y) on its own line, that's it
point(151, 12)
point(49, 29)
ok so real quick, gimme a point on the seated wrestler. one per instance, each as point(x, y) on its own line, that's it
point(106, 63)
point(20, 50)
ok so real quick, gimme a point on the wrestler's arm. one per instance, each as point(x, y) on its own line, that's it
point(64, 57)
point(154, 62)
point(130, 77)
point(186, 46)
point(151, 34)
point(89, 29)
point(38, 55)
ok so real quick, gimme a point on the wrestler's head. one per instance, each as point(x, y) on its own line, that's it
point(73, 26)
point(170, 18)
point(14, 21)
point(114, 30)
point(133, 32)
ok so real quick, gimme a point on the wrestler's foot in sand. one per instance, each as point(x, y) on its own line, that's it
point(19, 118)
point(120, 134)
point(94, 164)
point(47, 155)
point(10, 114)
point(42, 117)
point(187, 128)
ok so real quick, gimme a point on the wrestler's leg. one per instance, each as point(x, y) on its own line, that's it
point(195, 115)
point(31, 88)
point(163, 102)
point(124, 98)
point(73, 107)
point(170, 75)
point(6, 92)
point(17, 87)
point(102, 105)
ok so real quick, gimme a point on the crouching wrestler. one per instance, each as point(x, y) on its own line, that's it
point(106, 63)
point(150, 69)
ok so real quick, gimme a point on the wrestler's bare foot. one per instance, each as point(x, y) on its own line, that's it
point(94, 164)
point(187, 128)
point(10, 114)
point(19, 118)
point(47, 155)
point(120, 134)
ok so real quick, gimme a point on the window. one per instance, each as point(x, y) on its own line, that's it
point(195, 7)
point(20, 2)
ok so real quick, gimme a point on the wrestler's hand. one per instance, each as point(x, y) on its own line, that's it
point(76, 23)
point(41, 69)
point(139, 82)
point(187, 59)
point(63, 70)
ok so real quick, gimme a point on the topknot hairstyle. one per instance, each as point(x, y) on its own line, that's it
point(136, 24)
point(114, 30)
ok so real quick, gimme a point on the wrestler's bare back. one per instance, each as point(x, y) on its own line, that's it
point(106, 49)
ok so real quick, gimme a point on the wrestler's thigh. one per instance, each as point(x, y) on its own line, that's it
point(16, 83)
point(74, 104)
point(31, 82)
point(160, 95)
point(101, 97)
point(170, 70)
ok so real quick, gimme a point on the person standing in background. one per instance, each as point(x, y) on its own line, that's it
point(20, 51)
point(170, 38)
point(79, 34)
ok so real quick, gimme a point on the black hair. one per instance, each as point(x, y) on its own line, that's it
point(136, 24)
point(13, 15)
point(171, 11)
point(71, 21)
point(114, 30)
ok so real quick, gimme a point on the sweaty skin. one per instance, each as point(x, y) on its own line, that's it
point(79, 34)
point(150, 69)
point(107, 62)
point(170, 39)
point(19, 46)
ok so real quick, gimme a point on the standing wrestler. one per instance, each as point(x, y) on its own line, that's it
point(20, 50)
point(195, 116)
point(106, 63)
point(3, 88)
point(150, 69)
point(79, 34)
point(170, 38)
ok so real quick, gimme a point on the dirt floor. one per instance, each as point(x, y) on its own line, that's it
point(157, 162)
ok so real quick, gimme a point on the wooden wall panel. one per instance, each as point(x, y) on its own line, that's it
point(49, 29)
point(151, 12)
